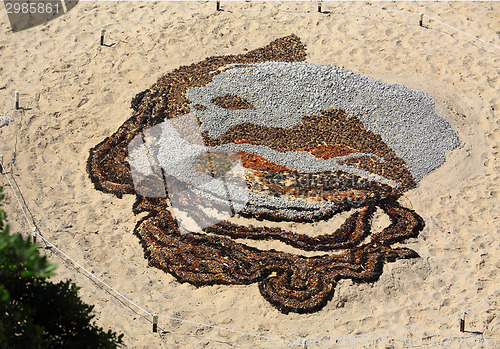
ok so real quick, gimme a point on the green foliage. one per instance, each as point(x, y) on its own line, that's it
point(36, 313)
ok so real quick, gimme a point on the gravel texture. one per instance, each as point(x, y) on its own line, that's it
point(281, 93)
point(369, 141)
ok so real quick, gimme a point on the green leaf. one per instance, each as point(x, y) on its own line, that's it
point(36, 313)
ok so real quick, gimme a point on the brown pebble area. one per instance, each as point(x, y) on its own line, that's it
point(233, 102)
point(108, 166)
point(290, 282)
point(328, 128)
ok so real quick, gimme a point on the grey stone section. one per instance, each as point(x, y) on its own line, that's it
point(166, 146)
point(173, 146)
point(284, 92)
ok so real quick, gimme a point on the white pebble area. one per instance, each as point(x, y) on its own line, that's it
point(283, 92)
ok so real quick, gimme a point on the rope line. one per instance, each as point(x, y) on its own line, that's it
point(435, 19)
point(461, 31)
point(64, 254)
point(484, 301)
point(40, 76)
point(91, 274)
point(111, 288)
point(75, 263)
point(457, 315)
point(15, 195)
point(13, 109)
point(411, 325)
point(199, 323)
point(224, 328)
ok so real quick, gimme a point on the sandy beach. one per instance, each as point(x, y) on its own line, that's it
point(75, 92)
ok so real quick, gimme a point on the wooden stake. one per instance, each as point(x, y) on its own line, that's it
point(155, 323)
point(34, 234)
point(421, 19)
point(17, 99)
point(218, 5)
point(462, 321)
point(102, 35)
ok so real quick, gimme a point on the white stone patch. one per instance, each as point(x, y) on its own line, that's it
point(173, 146)
point(283, 92)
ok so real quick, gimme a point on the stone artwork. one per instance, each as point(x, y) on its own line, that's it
point(266, 136)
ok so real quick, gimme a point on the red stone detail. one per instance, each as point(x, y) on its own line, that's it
point(325, 151)
point(330, 151)
point(258, 163)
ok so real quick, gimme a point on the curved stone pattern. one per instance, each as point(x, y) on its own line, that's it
point(282, 93)
point(307, 142)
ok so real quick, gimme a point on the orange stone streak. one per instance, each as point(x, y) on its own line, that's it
point(258, 163)
point(329, 151)
point(324, 151)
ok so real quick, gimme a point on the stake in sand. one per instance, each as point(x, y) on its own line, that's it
point(155, 323)
point(462, 321)
point(17, 99)
point(102, 36)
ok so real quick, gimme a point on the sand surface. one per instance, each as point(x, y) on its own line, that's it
point(86, 97)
